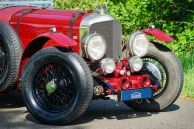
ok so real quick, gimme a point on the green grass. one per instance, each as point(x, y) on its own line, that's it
point(188, 67)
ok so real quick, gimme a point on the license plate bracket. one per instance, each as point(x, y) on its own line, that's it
point(135, 94)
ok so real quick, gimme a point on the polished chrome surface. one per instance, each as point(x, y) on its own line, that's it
point(112, 33)
point(86, 41)
point(108, 27)
point(135, 63)
point(92, 19)
point(131, 39)
point(95, 18)
point(107, 65)
point(154, 70)
point(102, 9)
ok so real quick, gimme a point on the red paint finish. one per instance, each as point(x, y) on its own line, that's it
point(39, 22)
point(128, 82)
point(160, 35)
point(7, 13)
point(59, 39)
point(125, 81)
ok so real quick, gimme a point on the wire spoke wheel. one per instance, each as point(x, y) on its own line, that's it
point(165, 72)
point(57, 86)
point(54, 87)
point(10, 57)
point(158, 73)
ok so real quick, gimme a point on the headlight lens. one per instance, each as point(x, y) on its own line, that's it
point(138, 44)
point(108, 65)
point(135, 63)
point(95, 46)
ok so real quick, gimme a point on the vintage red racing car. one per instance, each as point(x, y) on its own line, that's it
point(62, 59)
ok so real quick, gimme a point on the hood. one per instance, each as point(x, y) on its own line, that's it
point(42, 15)
point(8, 12)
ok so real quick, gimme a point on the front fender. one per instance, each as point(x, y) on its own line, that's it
point(45, 40)
point(158, 34)
point(58, 38)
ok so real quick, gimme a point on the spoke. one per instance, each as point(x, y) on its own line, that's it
point(61, 97)
point(163, 72)
point(50, 71)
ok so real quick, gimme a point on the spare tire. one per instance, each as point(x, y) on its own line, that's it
point(10, 56)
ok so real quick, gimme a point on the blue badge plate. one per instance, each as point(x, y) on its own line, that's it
point(127, 95)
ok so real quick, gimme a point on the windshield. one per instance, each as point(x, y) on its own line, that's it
point(42, 3)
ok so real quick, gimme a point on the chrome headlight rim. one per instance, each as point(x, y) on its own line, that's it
point(135, 63)
point(131, 42)
point(108, 65)
point(85, 46)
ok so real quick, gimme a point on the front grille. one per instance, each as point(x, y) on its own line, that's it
point(112, 33)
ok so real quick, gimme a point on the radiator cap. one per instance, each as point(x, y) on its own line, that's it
point(102, 9)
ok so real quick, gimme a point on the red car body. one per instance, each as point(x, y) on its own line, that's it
point(144, 73)
point(36, 25)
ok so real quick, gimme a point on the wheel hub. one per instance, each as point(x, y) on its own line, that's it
point(51, 86)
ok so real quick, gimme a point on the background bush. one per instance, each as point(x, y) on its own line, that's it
point(176, 17)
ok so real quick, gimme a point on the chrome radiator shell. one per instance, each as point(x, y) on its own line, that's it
point(106, 26)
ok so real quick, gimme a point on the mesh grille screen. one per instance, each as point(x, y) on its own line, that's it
point(112, 33)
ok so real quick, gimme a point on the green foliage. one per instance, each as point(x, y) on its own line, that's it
point(188, 66)
point(176, 17)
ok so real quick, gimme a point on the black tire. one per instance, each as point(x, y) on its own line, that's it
point(10, 56)
point(171, 88)
point(80, 85)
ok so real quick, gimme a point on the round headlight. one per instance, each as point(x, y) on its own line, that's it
point(94, 46)
point(108, 65)
point(135, 63)
point(138, 44)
